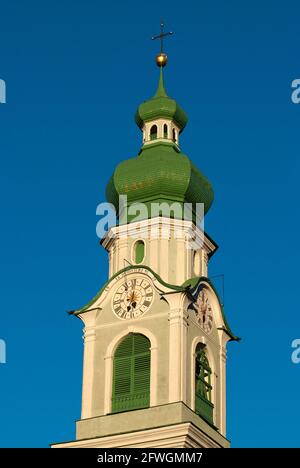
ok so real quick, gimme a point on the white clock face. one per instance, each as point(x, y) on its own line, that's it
point(133, 298)
point(204, 312)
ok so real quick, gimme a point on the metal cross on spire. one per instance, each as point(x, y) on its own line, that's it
point(161, 36)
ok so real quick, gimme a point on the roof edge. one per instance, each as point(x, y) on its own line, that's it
point(128, 268)
point(189, 286)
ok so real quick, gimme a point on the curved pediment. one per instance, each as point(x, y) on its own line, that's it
point(160, 285)
point(198, 284)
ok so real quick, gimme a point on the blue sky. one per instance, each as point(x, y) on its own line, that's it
point(75, 73)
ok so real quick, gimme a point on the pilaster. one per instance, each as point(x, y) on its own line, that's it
point(89, 337)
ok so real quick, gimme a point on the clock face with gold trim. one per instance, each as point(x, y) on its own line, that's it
point(133, 298)
point(204, 312)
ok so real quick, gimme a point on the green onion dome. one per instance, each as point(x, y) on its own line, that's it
point(161, 106)
point(161, 172)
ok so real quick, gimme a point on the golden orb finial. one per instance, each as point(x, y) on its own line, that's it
point(161, 60)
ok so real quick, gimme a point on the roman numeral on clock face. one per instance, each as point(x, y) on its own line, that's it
point(133, 298)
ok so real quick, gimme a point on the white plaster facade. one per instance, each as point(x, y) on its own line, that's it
point(173, 331)
point(176, 250)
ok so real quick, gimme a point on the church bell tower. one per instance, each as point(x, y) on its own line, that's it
point(155, 335)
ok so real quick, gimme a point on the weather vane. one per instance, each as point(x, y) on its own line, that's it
point(161, 58)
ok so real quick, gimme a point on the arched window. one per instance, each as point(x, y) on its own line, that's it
point(203, 390)
point(174, 135)
point(131, 374)
point(153, 132)
point(165, 131)
point(139, 251)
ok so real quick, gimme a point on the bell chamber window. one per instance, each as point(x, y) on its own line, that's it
point(139, 251)
point(203, 390)
point(165, 131)
point(131, 374)
point(153, 132)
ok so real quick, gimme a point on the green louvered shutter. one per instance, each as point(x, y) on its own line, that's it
point(131, 375)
